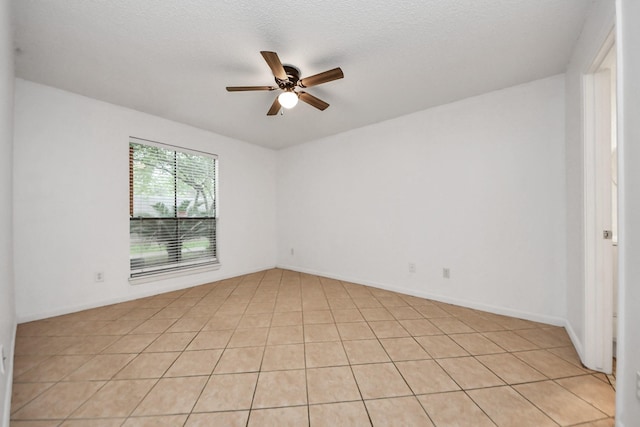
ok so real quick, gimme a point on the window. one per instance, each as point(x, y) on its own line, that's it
point(172, 208)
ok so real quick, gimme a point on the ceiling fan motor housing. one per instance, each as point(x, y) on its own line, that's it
point(293, 76)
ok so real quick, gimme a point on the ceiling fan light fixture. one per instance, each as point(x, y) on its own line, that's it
point(288, 99)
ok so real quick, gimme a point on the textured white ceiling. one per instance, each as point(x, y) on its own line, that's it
point(174, 58)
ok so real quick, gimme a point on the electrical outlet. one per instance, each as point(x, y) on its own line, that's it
point(638, 385)
point(412, 267)
point(2, 360)
point(446, 273)
point(292, 251)
point(99, 276)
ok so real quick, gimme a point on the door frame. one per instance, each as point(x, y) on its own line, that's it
point(598, 274)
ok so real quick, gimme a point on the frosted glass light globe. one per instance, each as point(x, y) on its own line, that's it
point(288, 99)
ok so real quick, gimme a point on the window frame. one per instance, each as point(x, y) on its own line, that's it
point(136, 277)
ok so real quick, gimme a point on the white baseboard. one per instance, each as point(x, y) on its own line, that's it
point(6, 405)
point(140, 293)
point(535, 317)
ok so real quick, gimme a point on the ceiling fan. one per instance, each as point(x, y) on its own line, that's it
point(288, 79)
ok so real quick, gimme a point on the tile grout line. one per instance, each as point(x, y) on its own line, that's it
point(304, 351)
point(350, 365)
point(255, 389)
point(163, 373)
point(390, 359)
point(169, 368)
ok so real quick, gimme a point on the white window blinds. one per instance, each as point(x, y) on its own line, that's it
point(172, 208)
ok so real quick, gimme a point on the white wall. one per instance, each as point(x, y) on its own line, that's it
point(628, 33)
point(71, 201)
point(597, 27)
point(476, 186)
point(7, 312)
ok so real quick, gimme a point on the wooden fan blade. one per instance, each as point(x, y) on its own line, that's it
point(274, 63)
point(275, 108)
point(324, 77)
point(246, 88)
point(312, 100)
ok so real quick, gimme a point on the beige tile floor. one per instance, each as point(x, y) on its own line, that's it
point(279, 348)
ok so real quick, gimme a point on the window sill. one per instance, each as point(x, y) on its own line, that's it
point(171, 274)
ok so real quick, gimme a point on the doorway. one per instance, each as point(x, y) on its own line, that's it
point(600, 178)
